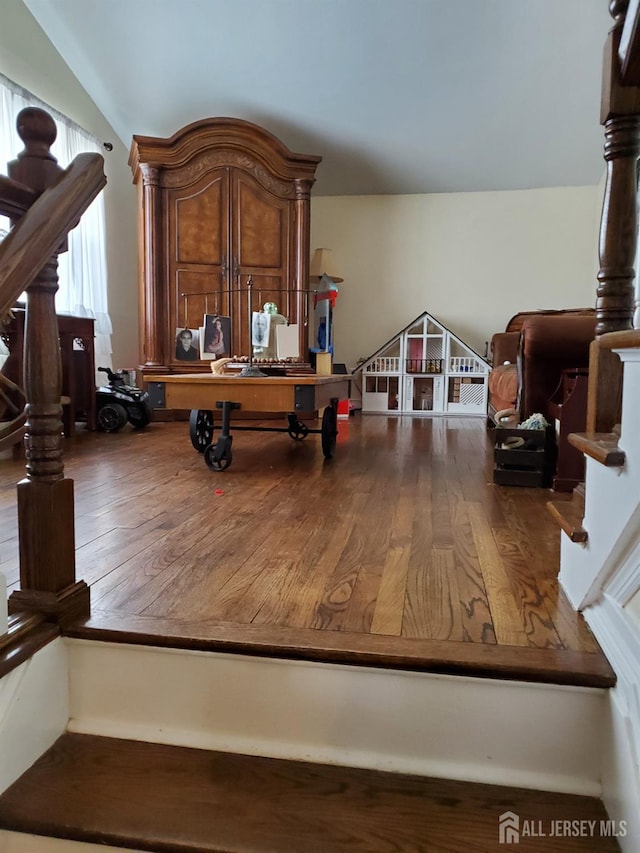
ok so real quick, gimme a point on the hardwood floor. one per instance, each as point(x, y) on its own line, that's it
point(400, 548)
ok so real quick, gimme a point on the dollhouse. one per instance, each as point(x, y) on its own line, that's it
point(425, 369)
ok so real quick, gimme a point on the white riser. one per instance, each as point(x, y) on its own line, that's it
point(510, 733)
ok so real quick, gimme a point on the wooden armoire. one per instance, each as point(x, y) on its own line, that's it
point(219, 201)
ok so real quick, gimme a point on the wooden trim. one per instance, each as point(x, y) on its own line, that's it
point(569, 515)
point(624, 339)
point(27, 633)
point(604, 394)
point(603, 447)
point(62, 606)
point(232, 133)
point(480, 660)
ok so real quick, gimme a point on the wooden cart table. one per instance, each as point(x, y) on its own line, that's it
point(202, 393)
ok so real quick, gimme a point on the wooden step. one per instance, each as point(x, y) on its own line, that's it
point(583, 668)
point(155, 797)
point(569, 515)
point(601, 446)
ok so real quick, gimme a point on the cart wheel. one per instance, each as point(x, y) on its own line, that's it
point(111, 417)
point(218, 458)
point(201, 429)
point(298, 430)
point(329, 431)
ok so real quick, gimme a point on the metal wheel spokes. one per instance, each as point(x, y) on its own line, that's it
point(201, 429)
point(218, 458)
point(298, 431)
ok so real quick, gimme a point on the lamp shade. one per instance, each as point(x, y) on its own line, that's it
point(322, 264)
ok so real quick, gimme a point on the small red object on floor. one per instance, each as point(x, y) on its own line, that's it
point(219, 492)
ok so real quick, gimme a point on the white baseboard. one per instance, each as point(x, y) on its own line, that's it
point(537, 736)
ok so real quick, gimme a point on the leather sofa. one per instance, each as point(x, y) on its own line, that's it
point(529, 358)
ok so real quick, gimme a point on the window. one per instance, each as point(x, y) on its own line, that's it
point(82, 271)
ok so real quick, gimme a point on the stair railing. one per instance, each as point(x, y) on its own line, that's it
point(44, 202)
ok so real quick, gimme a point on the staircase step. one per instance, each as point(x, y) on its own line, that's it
point(601, 446)
point(569, 515)
point(156, 797)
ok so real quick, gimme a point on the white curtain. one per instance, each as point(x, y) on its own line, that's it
point(83, 269)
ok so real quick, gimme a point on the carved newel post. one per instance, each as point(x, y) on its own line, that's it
point(620, 116)
point(45, 496)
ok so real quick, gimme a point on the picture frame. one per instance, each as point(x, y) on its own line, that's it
point(216, 338)
point(187, 344)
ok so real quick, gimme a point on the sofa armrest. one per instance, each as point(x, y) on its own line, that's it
point(549, 345)
point(504, 347)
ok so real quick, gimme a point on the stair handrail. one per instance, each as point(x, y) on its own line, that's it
point(43, 229)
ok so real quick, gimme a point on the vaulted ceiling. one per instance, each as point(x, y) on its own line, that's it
point(397, 96)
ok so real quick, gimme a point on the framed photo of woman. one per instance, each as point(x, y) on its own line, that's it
point(217, 336)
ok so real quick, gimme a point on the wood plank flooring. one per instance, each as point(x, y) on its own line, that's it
point(157, 797)
point(402, 541)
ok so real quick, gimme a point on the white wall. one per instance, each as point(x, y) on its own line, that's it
point(29, 58)
point(473, 260)
point(34, 710)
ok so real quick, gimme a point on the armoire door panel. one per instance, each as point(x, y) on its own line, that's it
point(261, 224)
point(198, 221)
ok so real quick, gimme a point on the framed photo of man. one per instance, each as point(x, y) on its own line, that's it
point(260, 328)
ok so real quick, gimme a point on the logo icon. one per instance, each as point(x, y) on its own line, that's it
point(509, 828)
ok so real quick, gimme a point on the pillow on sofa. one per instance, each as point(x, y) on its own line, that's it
point(503, 387)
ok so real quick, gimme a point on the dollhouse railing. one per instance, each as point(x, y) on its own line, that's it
point(466, 364)
point(424, 365)
point(44, 203)
point(384, 364)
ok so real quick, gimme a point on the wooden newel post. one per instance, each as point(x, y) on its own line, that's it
point(45, 496)
point(620, 116)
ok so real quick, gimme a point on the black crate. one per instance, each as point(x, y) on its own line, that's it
point(512, 477)
point(532, 466)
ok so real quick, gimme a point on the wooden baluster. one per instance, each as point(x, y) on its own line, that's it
point(45, 496)
point(620, 115)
